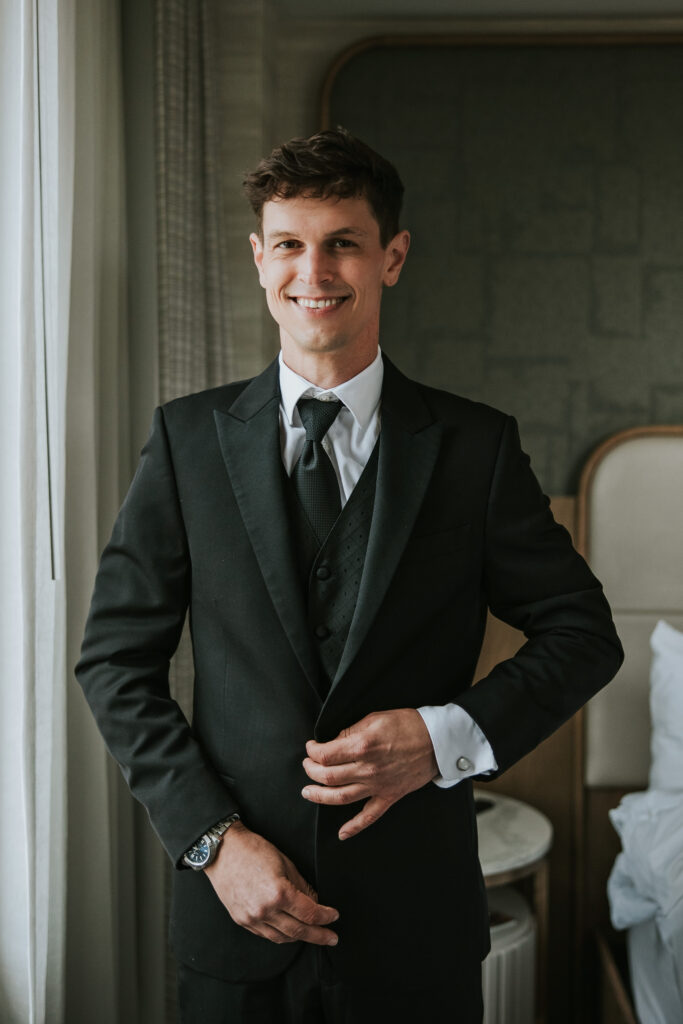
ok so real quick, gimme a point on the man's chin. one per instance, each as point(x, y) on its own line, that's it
point(319, 344)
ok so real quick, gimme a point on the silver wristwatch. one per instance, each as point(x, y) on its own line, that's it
point(204, 851)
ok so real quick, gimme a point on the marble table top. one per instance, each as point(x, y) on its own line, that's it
point(512, 834)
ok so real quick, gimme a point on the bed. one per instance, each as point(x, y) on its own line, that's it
point(629, 804)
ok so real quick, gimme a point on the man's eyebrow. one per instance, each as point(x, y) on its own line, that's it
point(358, 232)
point(347, 231)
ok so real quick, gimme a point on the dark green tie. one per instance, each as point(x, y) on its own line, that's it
point(314, 477)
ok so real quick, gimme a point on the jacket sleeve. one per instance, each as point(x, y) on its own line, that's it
point(134, 625)
point(537, 582)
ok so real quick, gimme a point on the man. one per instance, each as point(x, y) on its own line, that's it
point(337, 532)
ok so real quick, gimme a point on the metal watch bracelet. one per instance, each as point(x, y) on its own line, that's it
point(222, 827)
point(203, 852)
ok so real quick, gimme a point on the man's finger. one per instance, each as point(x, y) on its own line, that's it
point(336, 775)
point(282, 928)
point(300, 906)
point(372, 811)
point(298, 881)
point(301, 919)
point(342, 750)
point(266, 931)
point(295, 930)
point(335, 796)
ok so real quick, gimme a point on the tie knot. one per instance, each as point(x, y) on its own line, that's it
point(317, 416)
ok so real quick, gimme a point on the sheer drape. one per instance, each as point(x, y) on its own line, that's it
point(64, 464)
point(36, 142)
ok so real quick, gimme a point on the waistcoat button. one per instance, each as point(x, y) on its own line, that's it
point(321, 632)
point(323, 572)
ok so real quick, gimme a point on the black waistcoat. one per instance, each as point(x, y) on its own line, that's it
point(331, 573)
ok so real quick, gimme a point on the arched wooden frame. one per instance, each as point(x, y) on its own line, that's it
point(584, 32)
point(583, 507)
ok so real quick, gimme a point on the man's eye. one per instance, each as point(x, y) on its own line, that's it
point(342, 243)
point(288, 243)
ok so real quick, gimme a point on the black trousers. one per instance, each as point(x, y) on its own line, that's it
point(307, 993)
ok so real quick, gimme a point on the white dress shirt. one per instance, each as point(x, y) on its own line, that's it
point(460, 746)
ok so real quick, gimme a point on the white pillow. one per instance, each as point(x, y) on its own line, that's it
point(666, 707)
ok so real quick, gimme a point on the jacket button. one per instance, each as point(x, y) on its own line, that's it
point(321, 632)
point(463, 764)
point(323, 572)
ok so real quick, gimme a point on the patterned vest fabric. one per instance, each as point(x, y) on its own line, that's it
point(331, 573)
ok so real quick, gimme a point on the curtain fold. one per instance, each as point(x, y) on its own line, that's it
point(195, 346)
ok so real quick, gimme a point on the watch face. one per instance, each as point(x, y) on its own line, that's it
point(198, 855)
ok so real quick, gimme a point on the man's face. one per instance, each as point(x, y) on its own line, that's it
point(323, 267)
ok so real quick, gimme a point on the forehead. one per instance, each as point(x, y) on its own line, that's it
point(311, 216)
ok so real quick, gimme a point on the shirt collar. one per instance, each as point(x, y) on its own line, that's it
point(360, 394)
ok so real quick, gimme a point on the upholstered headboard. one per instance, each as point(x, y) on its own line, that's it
point(631, 530)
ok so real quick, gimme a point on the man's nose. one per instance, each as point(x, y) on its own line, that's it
point(315, 266)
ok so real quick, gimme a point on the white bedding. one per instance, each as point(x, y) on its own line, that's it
point(646, 885)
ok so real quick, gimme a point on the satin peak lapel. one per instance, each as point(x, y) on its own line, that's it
point(409, 444)
point(249, 436)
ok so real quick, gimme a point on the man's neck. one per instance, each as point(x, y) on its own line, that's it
point(327, 369)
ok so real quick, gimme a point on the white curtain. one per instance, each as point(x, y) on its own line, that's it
point(36, 174)
point(98, 953)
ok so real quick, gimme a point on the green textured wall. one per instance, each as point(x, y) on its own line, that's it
point(544, 193)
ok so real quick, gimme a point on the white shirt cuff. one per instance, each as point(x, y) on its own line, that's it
point(460, 746)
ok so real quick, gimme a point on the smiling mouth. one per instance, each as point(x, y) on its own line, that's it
point(319, 303)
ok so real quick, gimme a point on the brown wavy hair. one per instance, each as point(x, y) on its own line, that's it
point(332, 162)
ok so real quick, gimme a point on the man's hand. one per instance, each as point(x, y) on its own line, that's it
point(380, 759)
point(264, 893)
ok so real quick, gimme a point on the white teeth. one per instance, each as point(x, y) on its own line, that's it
point(318, 303)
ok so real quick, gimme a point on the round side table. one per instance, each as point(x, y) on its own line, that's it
point(514, 841)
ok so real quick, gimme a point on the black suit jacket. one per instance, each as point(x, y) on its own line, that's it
point(459, 524)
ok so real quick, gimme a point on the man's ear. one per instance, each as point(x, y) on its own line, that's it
point(395, 253)
point(257, 247)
